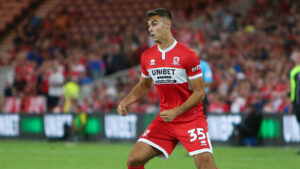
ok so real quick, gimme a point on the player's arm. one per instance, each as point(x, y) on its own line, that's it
point(198, 95)
point(136, 94)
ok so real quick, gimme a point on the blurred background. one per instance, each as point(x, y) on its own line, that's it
point(65, 65)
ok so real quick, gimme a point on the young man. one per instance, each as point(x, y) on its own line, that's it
point(175, 71)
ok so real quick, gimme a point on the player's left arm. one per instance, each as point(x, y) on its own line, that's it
point(197, 96)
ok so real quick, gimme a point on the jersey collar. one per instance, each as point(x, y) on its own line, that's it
point(169, 48)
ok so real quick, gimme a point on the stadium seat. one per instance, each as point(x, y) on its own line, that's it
point(10, 10)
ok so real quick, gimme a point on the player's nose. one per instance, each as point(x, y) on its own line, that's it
point(150, 29)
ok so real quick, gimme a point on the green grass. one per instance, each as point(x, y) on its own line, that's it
point(16, 154)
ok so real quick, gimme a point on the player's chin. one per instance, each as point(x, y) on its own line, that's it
point(155, 39)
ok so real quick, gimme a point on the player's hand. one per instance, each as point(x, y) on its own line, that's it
point(122, 109)
point(168, 115)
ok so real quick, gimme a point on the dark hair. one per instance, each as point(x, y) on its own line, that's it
point(162, 12)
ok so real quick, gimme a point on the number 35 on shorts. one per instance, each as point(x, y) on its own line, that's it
point(196, 133)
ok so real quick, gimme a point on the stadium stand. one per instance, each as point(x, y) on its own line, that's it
point(11, 11)
point(249, 52)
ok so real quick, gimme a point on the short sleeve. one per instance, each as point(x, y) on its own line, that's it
point(145, 73)
point(193, 66)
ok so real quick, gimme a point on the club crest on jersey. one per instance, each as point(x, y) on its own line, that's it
point(176, 61)
point(152, 62)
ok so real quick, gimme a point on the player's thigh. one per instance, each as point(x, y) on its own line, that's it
point(204, 161)
point(142, 152)
point(194, 136)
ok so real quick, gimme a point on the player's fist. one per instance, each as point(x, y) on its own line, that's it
point(168, 115)
point(122, 109)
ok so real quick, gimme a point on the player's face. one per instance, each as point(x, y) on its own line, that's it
point(157, 27)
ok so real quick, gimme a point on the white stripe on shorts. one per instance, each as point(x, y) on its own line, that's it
point(203, 150)
point(166, 155)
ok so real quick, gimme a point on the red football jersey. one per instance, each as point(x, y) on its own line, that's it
point(171, 69)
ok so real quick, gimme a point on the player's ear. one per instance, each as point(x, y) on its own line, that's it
point(168, 23)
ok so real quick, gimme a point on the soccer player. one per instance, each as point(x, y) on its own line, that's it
point(175, 71)
point(295, 85)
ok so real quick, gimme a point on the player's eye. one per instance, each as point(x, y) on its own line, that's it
point(153, 24)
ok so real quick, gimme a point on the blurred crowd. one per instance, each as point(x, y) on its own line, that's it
point(250, 54)
point(251, 57)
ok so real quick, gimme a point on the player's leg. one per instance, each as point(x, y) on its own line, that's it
point(204, 161)
point(141, 154)
point(194, 136)
point(156, 140)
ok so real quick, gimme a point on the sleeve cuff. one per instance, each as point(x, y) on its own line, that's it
point(195, 76)
point(144, 76)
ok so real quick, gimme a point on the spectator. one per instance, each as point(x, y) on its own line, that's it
point(71, 89)
point(217, 104)
point(76, 132)
point(114, 60)
point(249, 128)
point(56, 90)
point(8, 90)
point(19, 84)
point(63, 20)
point(35, 55)
point(78, 126)
point(84, 79)
point(96, 66)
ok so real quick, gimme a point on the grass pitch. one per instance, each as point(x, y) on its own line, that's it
point(16, 154)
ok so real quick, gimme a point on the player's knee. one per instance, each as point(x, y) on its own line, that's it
point(134, 160)
point(204, 161)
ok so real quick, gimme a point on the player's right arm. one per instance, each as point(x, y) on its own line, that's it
point(136, 94)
